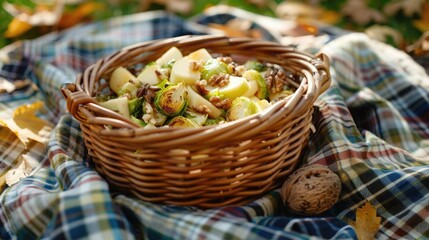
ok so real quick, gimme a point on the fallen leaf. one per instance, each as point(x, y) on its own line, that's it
point(361, 13)
point(296, 11)
point(367, 223)
point(420, 47)
point(237, 27)
point(260, 3)
point(384, 33)
point(2, 183)
point(7, 86)
point(179, 6)
point(423, 23)
point(16, 28)
point(409, 7)
point(329, 17)
point(21, 170)
point(42, 15)
point(24, 123)
point(84, 10)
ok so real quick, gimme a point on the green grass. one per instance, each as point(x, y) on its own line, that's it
point(399, 22)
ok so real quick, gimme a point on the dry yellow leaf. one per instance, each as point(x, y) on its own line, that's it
point(2, 183)
point(329, 17)
point(24, 123)
point(21, 170)
point(17, 27)
point(367, 223)
point(423, 23)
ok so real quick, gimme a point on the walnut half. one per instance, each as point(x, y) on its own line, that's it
point(311, 190)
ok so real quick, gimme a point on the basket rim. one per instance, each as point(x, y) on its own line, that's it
point(81, 105)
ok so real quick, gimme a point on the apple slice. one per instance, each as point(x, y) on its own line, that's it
point(195, 101)
point(237, 87)
point(149, 75)
point(253, 75)
point(172, 54)
point(119, 105)
point(119, 78)
point(183, 71)
point(253, 89)
point(201, 55)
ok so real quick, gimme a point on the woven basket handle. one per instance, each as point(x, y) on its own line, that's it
point(82, 106)
point(322, 64)
point(75, 98)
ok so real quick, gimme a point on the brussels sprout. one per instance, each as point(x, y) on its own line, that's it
point(241, 107)
point(138, 121)
point(180, 121)
point(281, 95)
point(129, 88)
point(255, 65)
point(212, 67)
point(172, 100)
point(163, 84)
point(198, 118)
point(136, 107)
point(253, 75)
point(214, 121)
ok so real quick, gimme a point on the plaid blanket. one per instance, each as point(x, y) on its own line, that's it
point(372, 130)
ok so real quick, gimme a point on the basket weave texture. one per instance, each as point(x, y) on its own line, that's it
point(212, 166)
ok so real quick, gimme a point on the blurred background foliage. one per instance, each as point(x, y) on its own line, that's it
point(397, 22)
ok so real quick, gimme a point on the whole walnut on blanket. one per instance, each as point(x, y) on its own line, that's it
point(311, 190)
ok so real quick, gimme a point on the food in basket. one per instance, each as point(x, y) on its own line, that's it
point(214, 166)
point(195, 90)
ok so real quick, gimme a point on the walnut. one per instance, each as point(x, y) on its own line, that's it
point(203, 109)
point(226, 60)
point(239, 70)
point(220, 80)
point(201, 87)
point(311, 190)
point(275, 79)
point(220, 103)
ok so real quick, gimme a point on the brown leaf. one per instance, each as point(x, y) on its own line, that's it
point(409, 7)
point(423, 23)
point(361, 13)
point(367, 223)
point(76, 16)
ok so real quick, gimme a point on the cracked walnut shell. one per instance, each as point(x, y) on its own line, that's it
point(311, 190)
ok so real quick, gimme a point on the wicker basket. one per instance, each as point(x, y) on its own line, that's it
point(227, 164)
